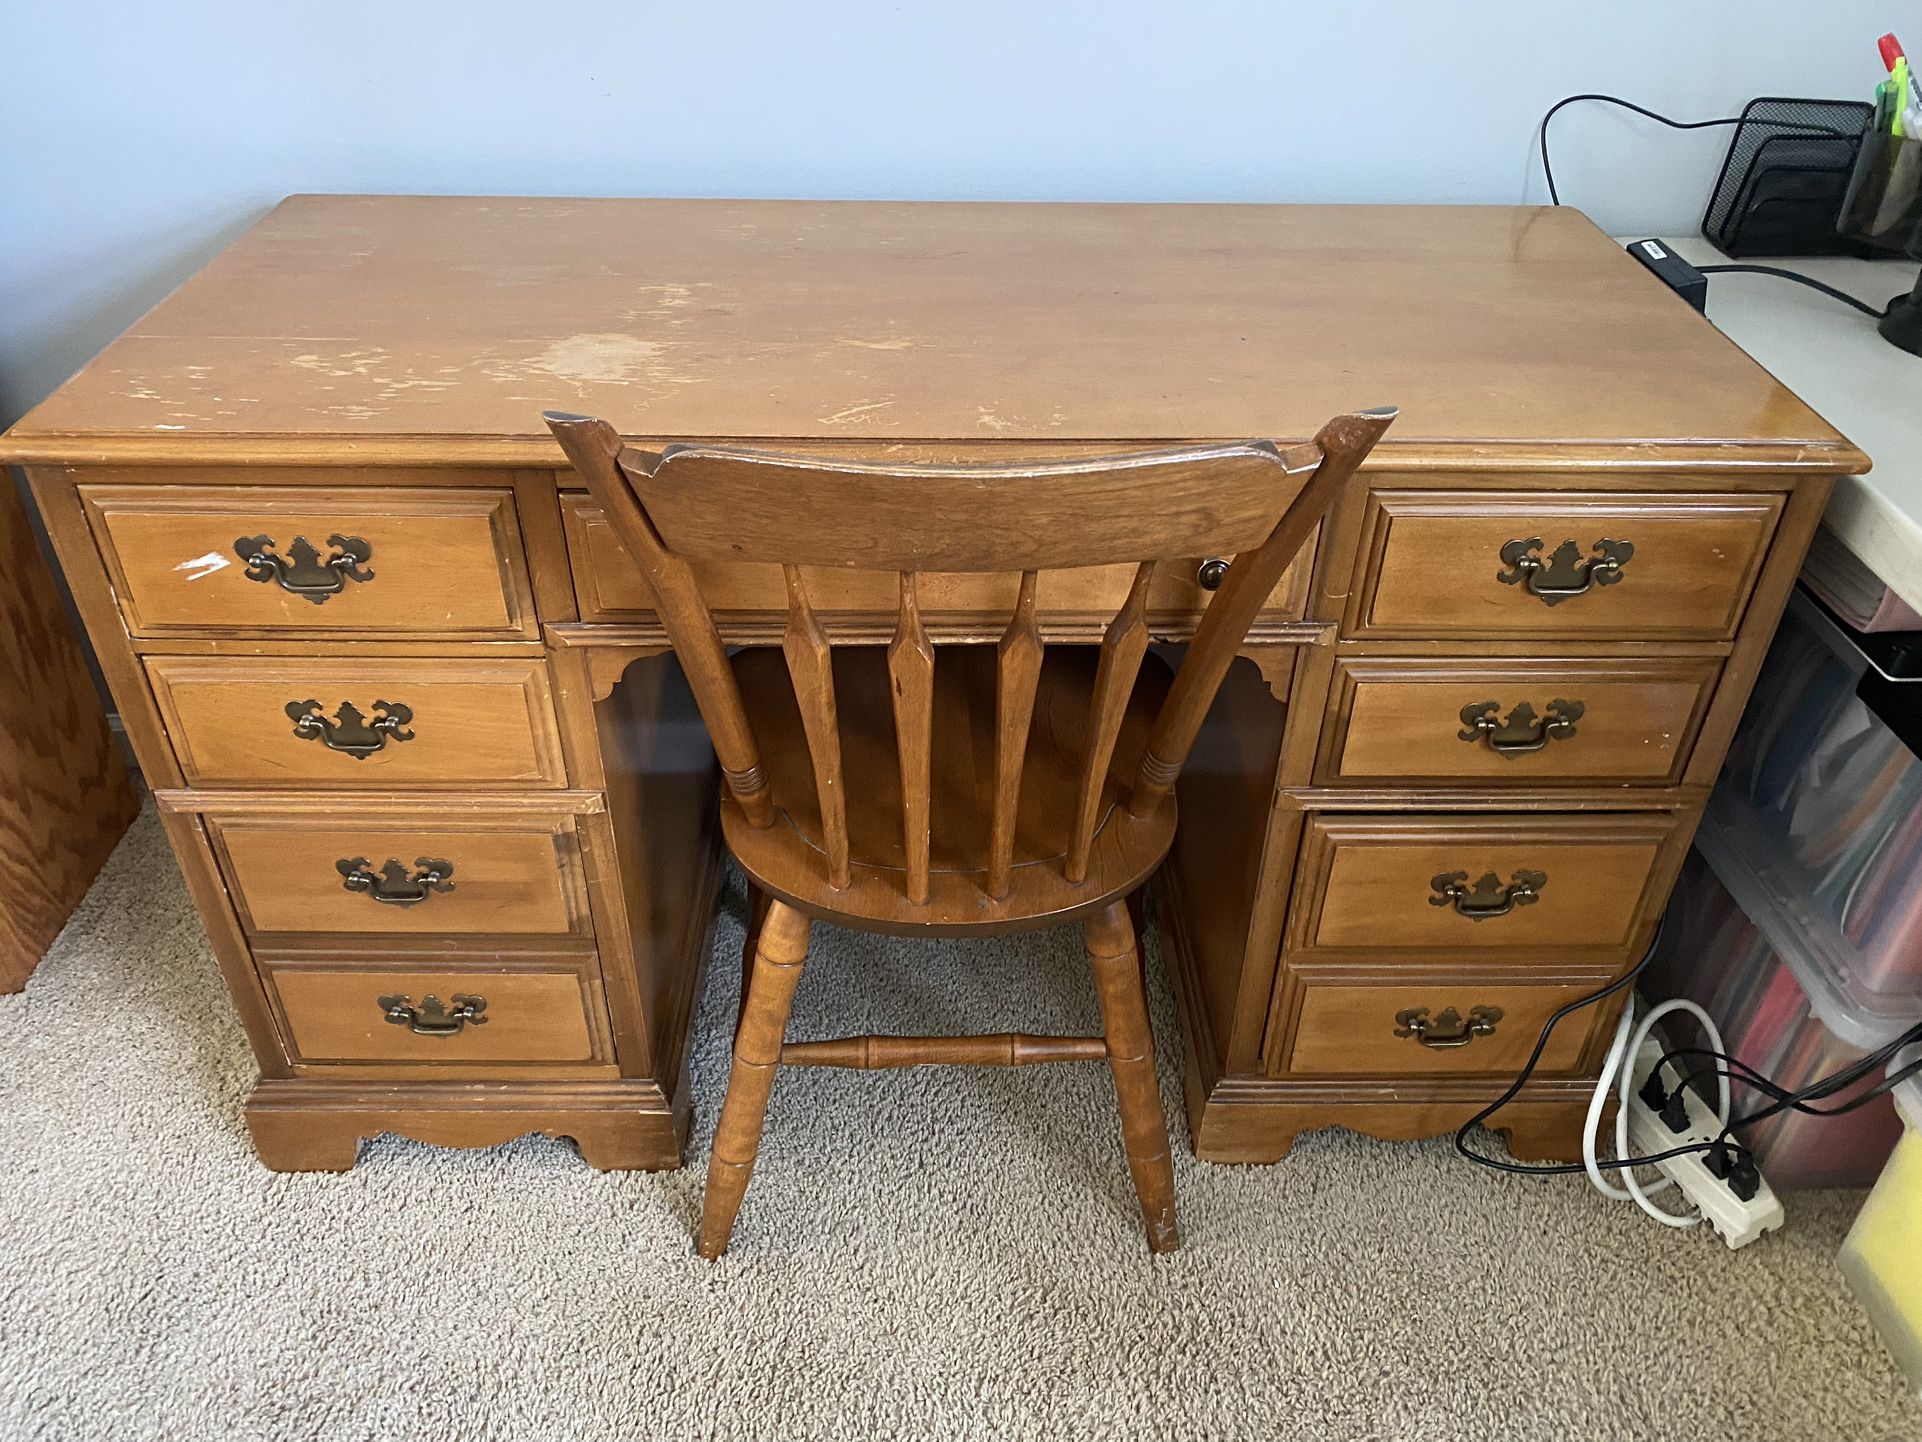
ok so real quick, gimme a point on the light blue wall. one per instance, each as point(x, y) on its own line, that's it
point(137, 138)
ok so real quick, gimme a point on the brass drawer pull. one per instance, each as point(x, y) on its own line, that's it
point(350, 732)
point(1487, 897)
point(393, 886)
point(432, 1017)
point(1211, 573)
point(303, 571)
point(1523, 731)
point(1566, 573)
point(1448, 1030)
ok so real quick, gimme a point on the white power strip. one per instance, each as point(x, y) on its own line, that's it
point(1738, 1221)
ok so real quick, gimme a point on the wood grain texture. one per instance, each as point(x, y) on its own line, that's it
point(1366, 882)
point(787, 859)
point(1435, 558)
point(520, 876)
point(1401, 719)
point(1341, 445)
point(810, 666)
point(1122, 648)
point(886, 1053)
point(544, 1011)
point(459, 317)
point(745, 595)
point(65, 799)
point(595, 451)
point(303, 1125)
point(1017, 672)
point(779, 954)
point(441, 561)
point(911, 680)
point(710, 503)
point(1111, 944)
point(1349, 1030)
point(1544, 381)
point(469, 722)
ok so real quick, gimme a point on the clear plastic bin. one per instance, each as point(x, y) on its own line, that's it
point(1784, 1006)
point(1882, 1256)
point(1825, 784)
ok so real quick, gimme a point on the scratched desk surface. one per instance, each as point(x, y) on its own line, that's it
point(401, 322)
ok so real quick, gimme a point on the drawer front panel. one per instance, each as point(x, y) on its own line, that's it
point(1514, 888)
point(608, 585)
point(1404, 1028)
point(363, 562)
point(277, 720)
point(533, 1011)
point(455, 876)
point(1543, 566)
point(1518, 721)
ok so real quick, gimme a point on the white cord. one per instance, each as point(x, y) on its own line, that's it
point(1618, 1070)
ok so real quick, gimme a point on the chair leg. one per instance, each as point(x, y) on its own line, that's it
point(757, 904)
point(778, 957)
point(1138, 917)
point(1110, 940)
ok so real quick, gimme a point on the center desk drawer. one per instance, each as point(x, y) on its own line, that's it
point(463, 872)
point(1548, 565)
point(609, 586)
point(1513, 888)
point(304, 721)
point(311, 560)
point(1524, 721)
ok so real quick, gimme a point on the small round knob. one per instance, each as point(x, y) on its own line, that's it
point(1212, 574)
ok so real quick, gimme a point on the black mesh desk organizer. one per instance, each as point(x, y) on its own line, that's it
point(1784, 177)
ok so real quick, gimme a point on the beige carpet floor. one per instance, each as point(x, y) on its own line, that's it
point(928, 1254)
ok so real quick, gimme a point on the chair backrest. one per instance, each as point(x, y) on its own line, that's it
point(1250, 500)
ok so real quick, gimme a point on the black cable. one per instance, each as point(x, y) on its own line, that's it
point(1548, 172)
point(1627, 978)
point(1820, 1088)
point(1808, 280)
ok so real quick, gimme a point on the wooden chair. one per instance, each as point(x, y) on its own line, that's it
point(1007, 789)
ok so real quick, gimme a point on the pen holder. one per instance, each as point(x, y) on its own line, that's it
point(1883, 208)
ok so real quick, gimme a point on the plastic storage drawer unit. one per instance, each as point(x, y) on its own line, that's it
point(1882, 1257)
point(1786, 1006)
point(1824, 776)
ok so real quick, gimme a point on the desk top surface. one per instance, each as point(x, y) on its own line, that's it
point(438, 328)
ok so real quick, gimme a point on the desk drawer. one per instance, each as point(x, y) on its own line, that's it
point(390, 1008)
point(608, 586)
point(373, 723)
point(1522, 721)
point(361, 562)
point(455, 873)
point(1546, 565)
point(1433, 1028)
point(1515, 888)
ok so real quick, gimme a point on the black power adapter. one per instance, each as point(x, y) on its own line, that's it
point(1677, 274)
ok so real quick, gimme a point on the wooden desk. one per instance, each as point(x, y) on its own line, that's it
point(1372, 824)
point(65, 800)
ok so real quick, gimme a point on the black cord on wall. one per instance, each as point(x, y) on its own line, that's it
point(1555, 198)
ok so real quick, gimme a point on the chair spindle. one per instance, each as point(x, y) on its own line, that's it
point(810, 663)
point(1122, 648)
point(911, 671)
point(1017, 670)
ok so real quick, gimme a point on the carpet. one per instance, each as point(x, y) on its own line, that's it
point(941, 1253)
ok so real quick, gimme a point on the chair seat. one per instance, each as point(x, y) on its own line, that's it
point(788, 860)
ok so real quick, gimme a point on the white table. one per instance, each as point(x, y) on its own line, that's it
point(1832, 357)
